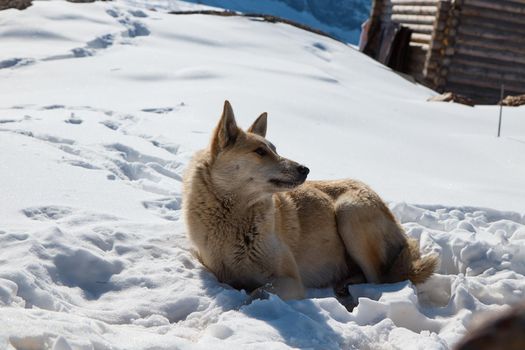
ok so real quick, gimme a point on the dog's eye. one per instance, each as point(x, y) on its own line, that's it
point(261, 151)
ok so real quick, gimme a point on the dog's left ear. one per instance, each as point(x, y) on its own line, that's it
point(259, 125)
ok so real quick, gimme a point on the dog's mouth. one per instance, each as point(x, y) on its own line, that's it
point(286, 183)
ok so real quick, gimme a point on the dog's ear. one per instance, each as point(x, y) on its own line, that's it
point(226, 131)
point(259, 125)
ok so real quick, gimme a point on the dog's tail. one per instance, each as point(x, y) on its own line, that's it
point(421, 268)
point(409, 264)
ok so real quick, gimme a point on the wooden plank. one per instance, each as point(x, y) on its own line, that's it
point(415, 19)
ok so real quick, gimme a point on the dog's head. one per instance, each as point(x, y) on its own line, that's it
point(244, 161)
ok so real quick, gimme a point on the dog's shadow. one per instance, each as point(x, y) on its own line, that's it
point(300, 324)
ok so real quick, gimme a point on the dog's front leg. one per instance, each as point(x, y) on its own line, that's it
point(287, 283)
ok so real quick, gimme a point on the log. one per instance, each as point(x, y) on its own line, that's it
point(474, 41)
point(497, 55)
point(415, 19)
point(491, 35)
point(493, 65)
point(463, 70)
point(421, 38)
point(414, 2)
point(477, 82)
point(417, 47)
point(498, 5)
point(420, 28)
point(415, 10)
point(497, 25)
point(492, 14)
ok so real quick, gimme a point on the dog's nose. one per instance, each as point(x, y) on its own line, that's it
point(303, 170)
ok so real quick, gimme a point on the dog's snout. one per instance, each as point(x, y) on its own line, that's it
point(303, 170)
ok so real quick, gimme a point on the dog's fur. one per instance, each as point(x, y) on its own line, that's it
point(259, 226)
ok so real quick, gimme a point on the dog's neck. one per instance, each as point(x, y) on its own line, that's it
point(233, 205)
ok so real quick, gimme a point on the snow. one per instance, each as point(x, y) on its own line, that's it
point(104, 104)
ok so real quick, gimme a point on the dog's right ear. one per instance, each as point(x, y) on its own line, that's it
point(226, 131)
point(259, 125)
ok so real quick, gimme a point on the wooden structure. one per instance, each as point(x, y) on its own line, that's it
point(469, 47)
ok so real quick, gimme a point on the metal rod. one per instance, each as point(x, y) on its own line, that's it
point(501, 108)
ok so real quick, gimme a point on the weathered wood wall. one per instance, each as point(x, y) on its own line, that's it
point(469, 47)
point(488, 50)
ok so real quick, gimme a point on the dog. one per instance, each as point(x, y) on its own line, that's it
point(258, 225)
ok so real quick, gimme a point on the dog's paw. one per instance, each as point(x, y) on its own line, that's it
point(262, 293)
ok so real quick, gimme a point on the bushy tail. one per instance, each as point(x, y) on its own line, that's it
point(423, 268)
point(411, 265)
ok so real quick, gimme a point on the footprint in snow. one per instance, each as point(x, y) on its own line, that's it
point(46, 213)
point(16, 62)
point(74, 120)
point(163, 110)
point(138, 13)
point(166, 208)
point(160, 110)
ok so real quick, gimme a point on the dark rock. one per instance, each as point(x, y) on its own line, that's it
point(14, 4)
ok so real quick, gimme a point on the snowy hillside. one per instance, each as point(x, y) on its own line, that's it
point(102, 106)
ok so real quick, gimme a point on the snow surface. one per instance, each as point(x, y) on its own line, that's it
point(102, 106)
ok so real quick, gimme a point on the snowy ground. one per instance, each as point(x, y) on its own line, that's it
point(102, 106)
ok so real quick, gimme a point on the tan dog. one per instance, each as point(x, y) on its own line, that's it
point(259, 226)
